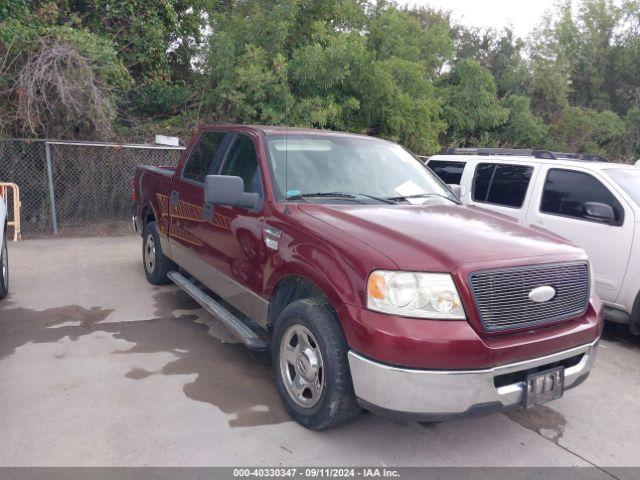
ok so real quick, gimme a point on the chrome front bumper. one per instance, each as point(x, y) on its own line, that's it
point(441, 394)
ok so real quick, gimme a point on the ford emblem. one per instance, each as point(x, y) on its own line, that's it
point(542, 294)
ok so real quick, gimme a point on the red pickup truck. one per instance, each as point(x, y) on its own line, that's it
point(372, 286)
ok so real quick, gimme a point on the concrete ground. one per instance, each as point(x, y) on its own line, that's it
point(100, 368)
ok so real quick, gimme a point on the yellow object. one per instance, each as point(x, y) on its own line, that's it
point(13, 215)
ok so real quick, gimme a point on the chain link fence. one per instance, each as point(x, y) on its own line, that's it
point(84, 183)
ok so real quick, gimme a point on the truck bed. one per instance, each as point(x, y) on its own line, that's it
point(152, 185)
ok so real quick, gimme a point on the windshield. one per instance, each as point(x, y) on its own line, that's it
point(363, 169)
point(628, 179)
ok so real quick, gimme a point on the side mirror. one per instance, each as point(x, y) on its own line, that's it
point(600, 212)
point(455, 189)
point(229, 191)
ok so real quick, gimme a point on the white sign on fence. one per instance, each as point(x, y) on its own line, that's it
point(165, 140)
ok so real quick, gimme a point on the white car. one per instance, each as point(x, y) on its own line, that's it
point(4, 255)
point(585, 199)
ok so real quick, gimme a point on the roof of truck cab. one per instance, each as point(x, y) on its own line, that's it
point(593, 165)
point(282, 129)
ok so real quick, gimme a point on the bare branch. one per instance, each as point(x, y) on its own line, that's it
point(59, 94)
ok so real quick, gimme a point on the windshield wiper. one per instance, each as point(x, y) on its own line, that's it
point(348, 196)
point(421, 195)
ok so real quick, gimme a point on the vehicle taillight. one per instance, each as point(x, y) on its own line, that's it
point(134, 193)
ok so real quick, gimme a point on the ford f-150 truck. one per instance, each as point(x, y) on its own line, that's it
point(372, 286)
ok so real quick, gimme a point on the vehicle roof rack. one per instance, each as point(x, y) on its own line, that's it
point(523, 152)
point(587, 157)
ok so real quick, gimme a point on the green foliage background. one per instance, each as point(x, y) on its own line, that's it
point(408, 74)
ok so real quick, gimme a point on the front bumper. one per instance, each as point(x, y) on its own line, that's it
point(442, 394)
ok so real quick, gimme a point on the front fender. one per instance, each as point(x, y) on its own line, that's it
point(336, 263)
point(324, 267)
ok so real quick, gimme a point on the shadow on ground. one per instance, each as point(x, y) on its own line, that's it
point(618, 333)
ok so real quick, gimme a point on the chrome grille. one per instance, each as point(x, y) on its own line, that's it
point(502, 295)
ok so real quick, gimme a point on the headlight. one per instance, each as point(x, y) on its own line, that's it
point(409, 294)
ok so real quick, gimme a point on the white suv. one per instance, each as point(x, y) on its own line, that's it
point(585, 199)
point(4, 255)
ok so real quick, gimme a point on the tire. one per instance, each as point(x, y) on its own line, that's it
point(634, 323)
point(309, 361)
point(4, 269)
point(156, 265)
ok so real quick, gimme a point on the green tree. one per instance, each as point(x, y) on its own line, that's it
point(328, 80)
point(522, 128)
point(588, 130)
point(471, 108)
point(500, 53)
point(419, 35)
point(631, 150)
point(585, 44)
point(548, 88)
point(402, 105)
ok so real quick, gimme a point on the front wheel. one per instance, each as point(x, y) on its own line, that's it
point(309, 359)
point(4, 269)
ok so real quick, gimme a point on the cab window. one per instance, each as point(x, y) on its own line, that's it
point(566, 191)
point(204, 156)
point(242, 162)
point(501, 184)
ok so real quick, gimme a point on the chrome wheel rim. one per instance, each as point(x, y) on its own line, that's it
point(301, 366)
point(5, 268)
point(149, 254)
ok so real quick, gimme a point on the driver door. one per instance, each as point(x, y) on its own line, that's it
point(558, 206)
point(233, 250)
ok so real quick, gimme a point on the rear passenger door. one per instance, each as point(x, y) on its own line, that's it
point(186, 198)
point(558, 206)
point(502, 187)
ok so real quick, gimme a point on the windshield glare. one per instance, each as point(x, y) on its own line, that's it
point(629, 180)
point(358, 166)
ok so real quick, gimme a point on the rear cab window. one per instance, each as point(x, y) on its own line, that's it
point(501, 184)
point(566, 191)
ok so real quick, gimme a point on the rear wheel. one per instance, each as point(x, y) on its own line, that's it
point(309, 358)
point(4, 269)
point(634, 323)
point(156, 264)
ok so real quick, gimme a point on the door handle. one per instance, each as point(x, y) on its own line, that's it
point(175, 196)
point(207, 212)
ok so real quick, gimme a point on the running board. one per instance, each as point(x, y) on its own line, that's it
point(233, 323)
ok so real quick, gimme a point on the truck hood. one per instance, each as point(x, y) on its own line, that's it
point(444, 238)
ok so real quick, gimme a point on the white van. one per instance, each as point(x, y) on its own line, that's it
point(583, 198)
